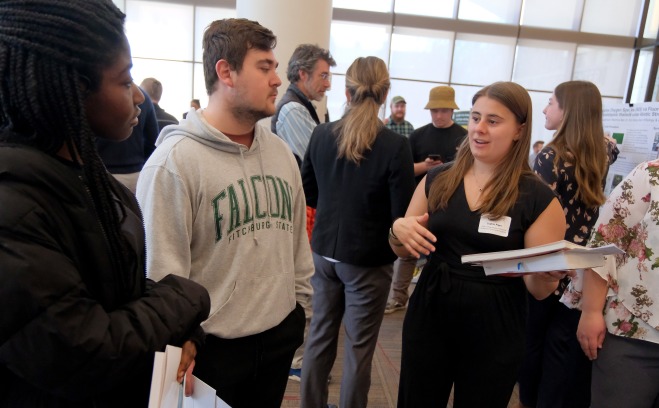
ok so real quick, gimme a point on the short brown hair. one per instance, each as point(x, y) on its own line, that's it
point(153, 87)
point(230, 39)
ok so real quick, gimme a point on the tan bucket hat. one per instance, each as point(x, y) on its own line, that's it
point(441, 97)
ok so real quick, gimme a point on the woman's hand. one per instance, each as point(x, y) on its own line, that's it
point(555, 276)
point(413, 234)
point(544, 283)
point(590, 333)
point(185, 367)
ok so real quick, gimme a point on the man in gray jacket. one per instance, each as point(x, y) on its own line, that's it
point(223, 205)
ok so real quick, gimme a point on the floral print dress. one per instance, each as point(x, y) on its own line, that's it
point(579, 218)
point(630, 220)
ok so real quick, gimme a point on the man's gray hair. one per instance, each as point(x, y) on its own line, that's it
point(153, 87)
point(304, 58)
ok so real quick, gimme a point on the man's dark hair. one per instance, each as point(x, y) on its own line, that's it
point(304, 58)
point(52, 54)
point(230, 39)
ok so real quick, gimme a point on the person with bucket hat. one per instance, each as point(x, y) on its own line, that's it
point(396, 121)
point(432, 145)
point(438, 141)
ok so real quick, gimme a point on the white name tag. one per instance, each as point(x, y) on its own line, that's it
point(499, 227)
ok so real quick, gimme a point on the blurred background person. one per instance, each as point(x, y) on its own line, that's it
point(309, 76)
point(623, 342)
point(462, 328)
point(438, 141)
point(537, 146)
point(194, 104)
point(396, 121)
point(574, 164)
point(153, 87)
point(369, 169)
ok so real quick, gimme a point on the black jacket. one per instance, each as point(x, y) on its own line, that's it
point(356, 204)
point(67, 338)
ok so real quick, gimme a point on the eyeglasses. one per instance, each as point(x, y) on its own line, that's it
point(326, 76)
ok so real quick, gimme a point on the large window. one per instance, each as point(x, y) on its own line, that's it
point(556, 59)
point(350, 40)
point(481, 60)
point(492, 11)
point(421, 54)
point(463, 43)
point(445, 8)
point(557, 14)
point(611, 17)
point(166, 44)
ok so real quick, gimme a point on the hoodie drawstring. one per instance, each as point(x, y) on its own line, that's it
point(265, 186)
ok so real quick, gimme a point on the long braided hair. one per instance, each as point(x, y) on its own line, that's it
point(52, 53)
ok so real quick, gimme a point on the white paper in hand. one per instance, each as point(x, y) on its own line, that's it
point(166, 392)
point(203, 396)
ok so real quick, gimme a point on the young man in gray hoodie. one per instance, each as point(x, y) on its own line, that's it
point(223, 205)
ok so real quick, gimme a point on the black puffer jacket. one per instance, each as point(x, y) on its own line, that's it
point(67, 339)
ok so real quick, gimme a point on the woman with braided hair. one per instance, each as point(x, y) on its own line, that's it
point(359, 175)
point(80, 322)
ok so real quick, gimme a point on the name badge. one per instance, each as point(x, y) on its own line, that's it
point(499, 227)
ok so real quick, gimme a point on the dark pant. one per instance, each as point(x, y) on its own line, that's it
point(626, 374)
point(356, 295)
point(463, 332)
point(252, 371)
point(555, 372)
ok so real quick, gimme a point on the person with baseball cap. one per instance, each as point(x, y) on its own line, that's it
point(396, 121)
point(433, 144)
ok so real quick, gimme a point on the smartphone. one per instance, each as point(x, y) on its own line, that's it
point(435, 157)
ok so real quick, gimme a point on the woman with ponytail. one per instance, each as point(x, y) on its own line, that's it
point(79, 323)
point(359, 175)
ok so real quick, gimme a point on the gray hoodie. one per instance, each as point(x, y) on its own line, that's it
point(230, 218)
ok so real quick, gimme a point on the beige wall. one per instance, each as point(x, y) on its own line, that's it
point(305, 22)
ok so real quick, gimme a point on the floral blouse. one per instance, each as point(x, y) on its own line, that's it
point(579, 218)
point(630, 220)
point(560, 177)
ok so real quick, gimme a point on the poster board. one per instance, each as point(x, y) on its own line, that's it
point(635, 127)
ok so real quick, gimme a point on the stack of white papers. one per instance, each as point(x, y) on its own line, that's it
point(166, 392)
point(557, 256)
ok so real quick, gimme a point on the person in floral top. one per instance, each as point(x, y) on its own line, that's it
point(624, 340)
point(555, 372)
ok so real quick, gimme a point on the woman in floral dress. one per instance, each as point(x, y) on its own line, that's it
point(624, 341)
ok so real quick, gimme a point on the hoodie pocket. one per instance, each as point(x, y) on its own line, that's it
point(255, 305)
